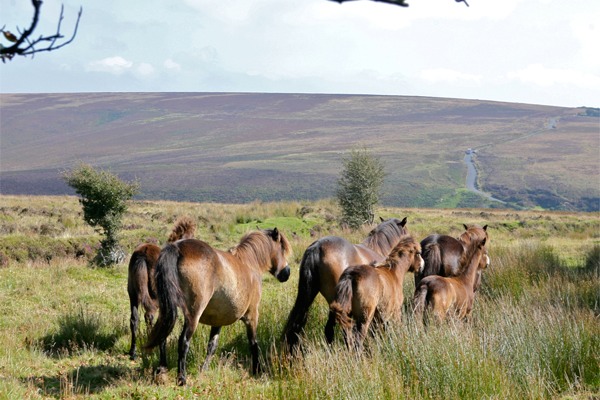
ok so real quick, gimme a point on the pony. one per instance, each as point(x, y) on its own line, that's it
point(445, 255)
point(442, 295)
point(215, 288)
point(374, 293)
point(140, 279)
point(322, 265)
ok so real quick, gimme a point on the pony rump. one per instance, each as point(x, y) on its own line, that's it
point(342, 304)
point(432, 257)
point(169, 295)
point(138, 268)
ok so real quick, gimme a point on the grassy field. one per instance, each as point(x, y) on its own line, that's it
point(535, 333)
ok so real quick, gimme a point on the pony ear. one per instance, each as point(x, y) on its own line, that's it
point(466, 227)
point(381, 218)
point(275, 234)
point(485, 227)
point(403, 222)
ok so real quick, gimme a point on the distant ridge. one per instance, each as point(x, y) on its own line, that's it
point(240, 147)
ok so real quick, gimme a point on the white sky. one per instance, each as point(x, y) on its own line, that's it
point(525, 51)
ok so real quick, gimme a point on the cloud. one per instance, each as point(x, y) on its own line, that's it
point(539, 75)
point(172, 65)
point(115, 65)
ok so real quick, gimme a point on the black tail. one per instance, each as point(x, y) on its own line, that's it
point(308, 288)
point(432, 257)
point(169, 295)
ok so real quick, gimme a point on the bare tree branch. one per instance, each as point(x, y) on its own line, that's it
point(24, 45)
point(401, 3)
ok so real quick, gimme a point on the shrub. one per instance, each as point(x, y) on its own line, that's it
point(104, 200)
point(359, 187)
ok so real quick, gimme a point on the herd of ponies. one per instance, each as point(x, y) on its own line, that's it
point(362, 283)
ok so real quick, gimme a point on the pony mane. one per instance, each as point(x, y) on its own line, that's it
point(406, 244)
point(470, 250)
point(384, 236)
point(184, 228)
point(256, 245)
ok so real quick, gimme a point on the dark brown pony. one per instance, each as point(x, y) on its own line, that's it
point(442, 295)
point(445, 255)
point(367, 293)
point(322, 265)
point(140, 280)
point(215, 288)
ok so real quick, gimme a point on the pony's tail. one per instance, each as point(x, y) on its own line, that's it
point(185, 228)
point(169, 295)
point(432, 258)
point(308, 288)
point(138, 277)
point(342, 303)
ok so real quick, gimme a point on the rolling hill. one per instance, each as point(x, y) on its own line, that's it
point(240, 147)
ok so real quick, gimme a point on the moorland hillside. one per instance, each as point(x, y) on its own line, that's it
point(239, 147)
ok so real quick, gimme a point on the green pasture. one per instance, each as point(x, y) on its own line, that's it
point(535, 331)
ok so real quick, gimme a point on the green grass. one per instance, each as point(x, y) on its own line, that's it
point(64, 330)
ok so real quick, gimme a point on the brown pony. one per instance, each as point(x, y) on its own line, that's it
point(442, 294)
point(140, 280)
point(322, 265)
point(215, 288)
point(445, 255)
point(366, 294)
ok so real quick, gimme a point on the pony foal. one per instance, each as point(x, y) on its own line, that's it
point(368, 293)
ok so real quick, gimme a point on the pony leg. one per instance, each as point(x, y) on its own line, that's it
point(251, 323)
point(330, 328)
point(184, 346)
point(362, 329)
point(212, 345)
point(133, 325)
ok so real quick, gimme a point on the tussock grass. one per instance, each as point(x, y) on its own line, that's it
point(64, 330)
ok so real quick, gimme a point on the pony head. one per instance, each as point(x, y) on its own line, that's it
point(280, 253)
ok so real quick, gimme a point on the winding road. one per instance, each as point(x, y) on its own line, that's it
point(472, 177)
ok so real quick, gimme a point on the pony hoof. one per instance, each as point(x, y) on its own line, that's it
point(132, 357)
point(181, 381)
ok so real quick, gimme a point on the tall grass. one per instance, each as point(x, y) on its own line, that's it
point(534, 333)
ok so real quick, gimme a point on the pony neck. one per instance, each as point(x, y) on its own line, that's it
point(399, 266)
point(470, 271)
point(253, 250)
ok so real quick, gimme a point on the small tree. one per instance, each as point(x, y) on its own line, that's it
point(359, 187)
point(104, 200)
